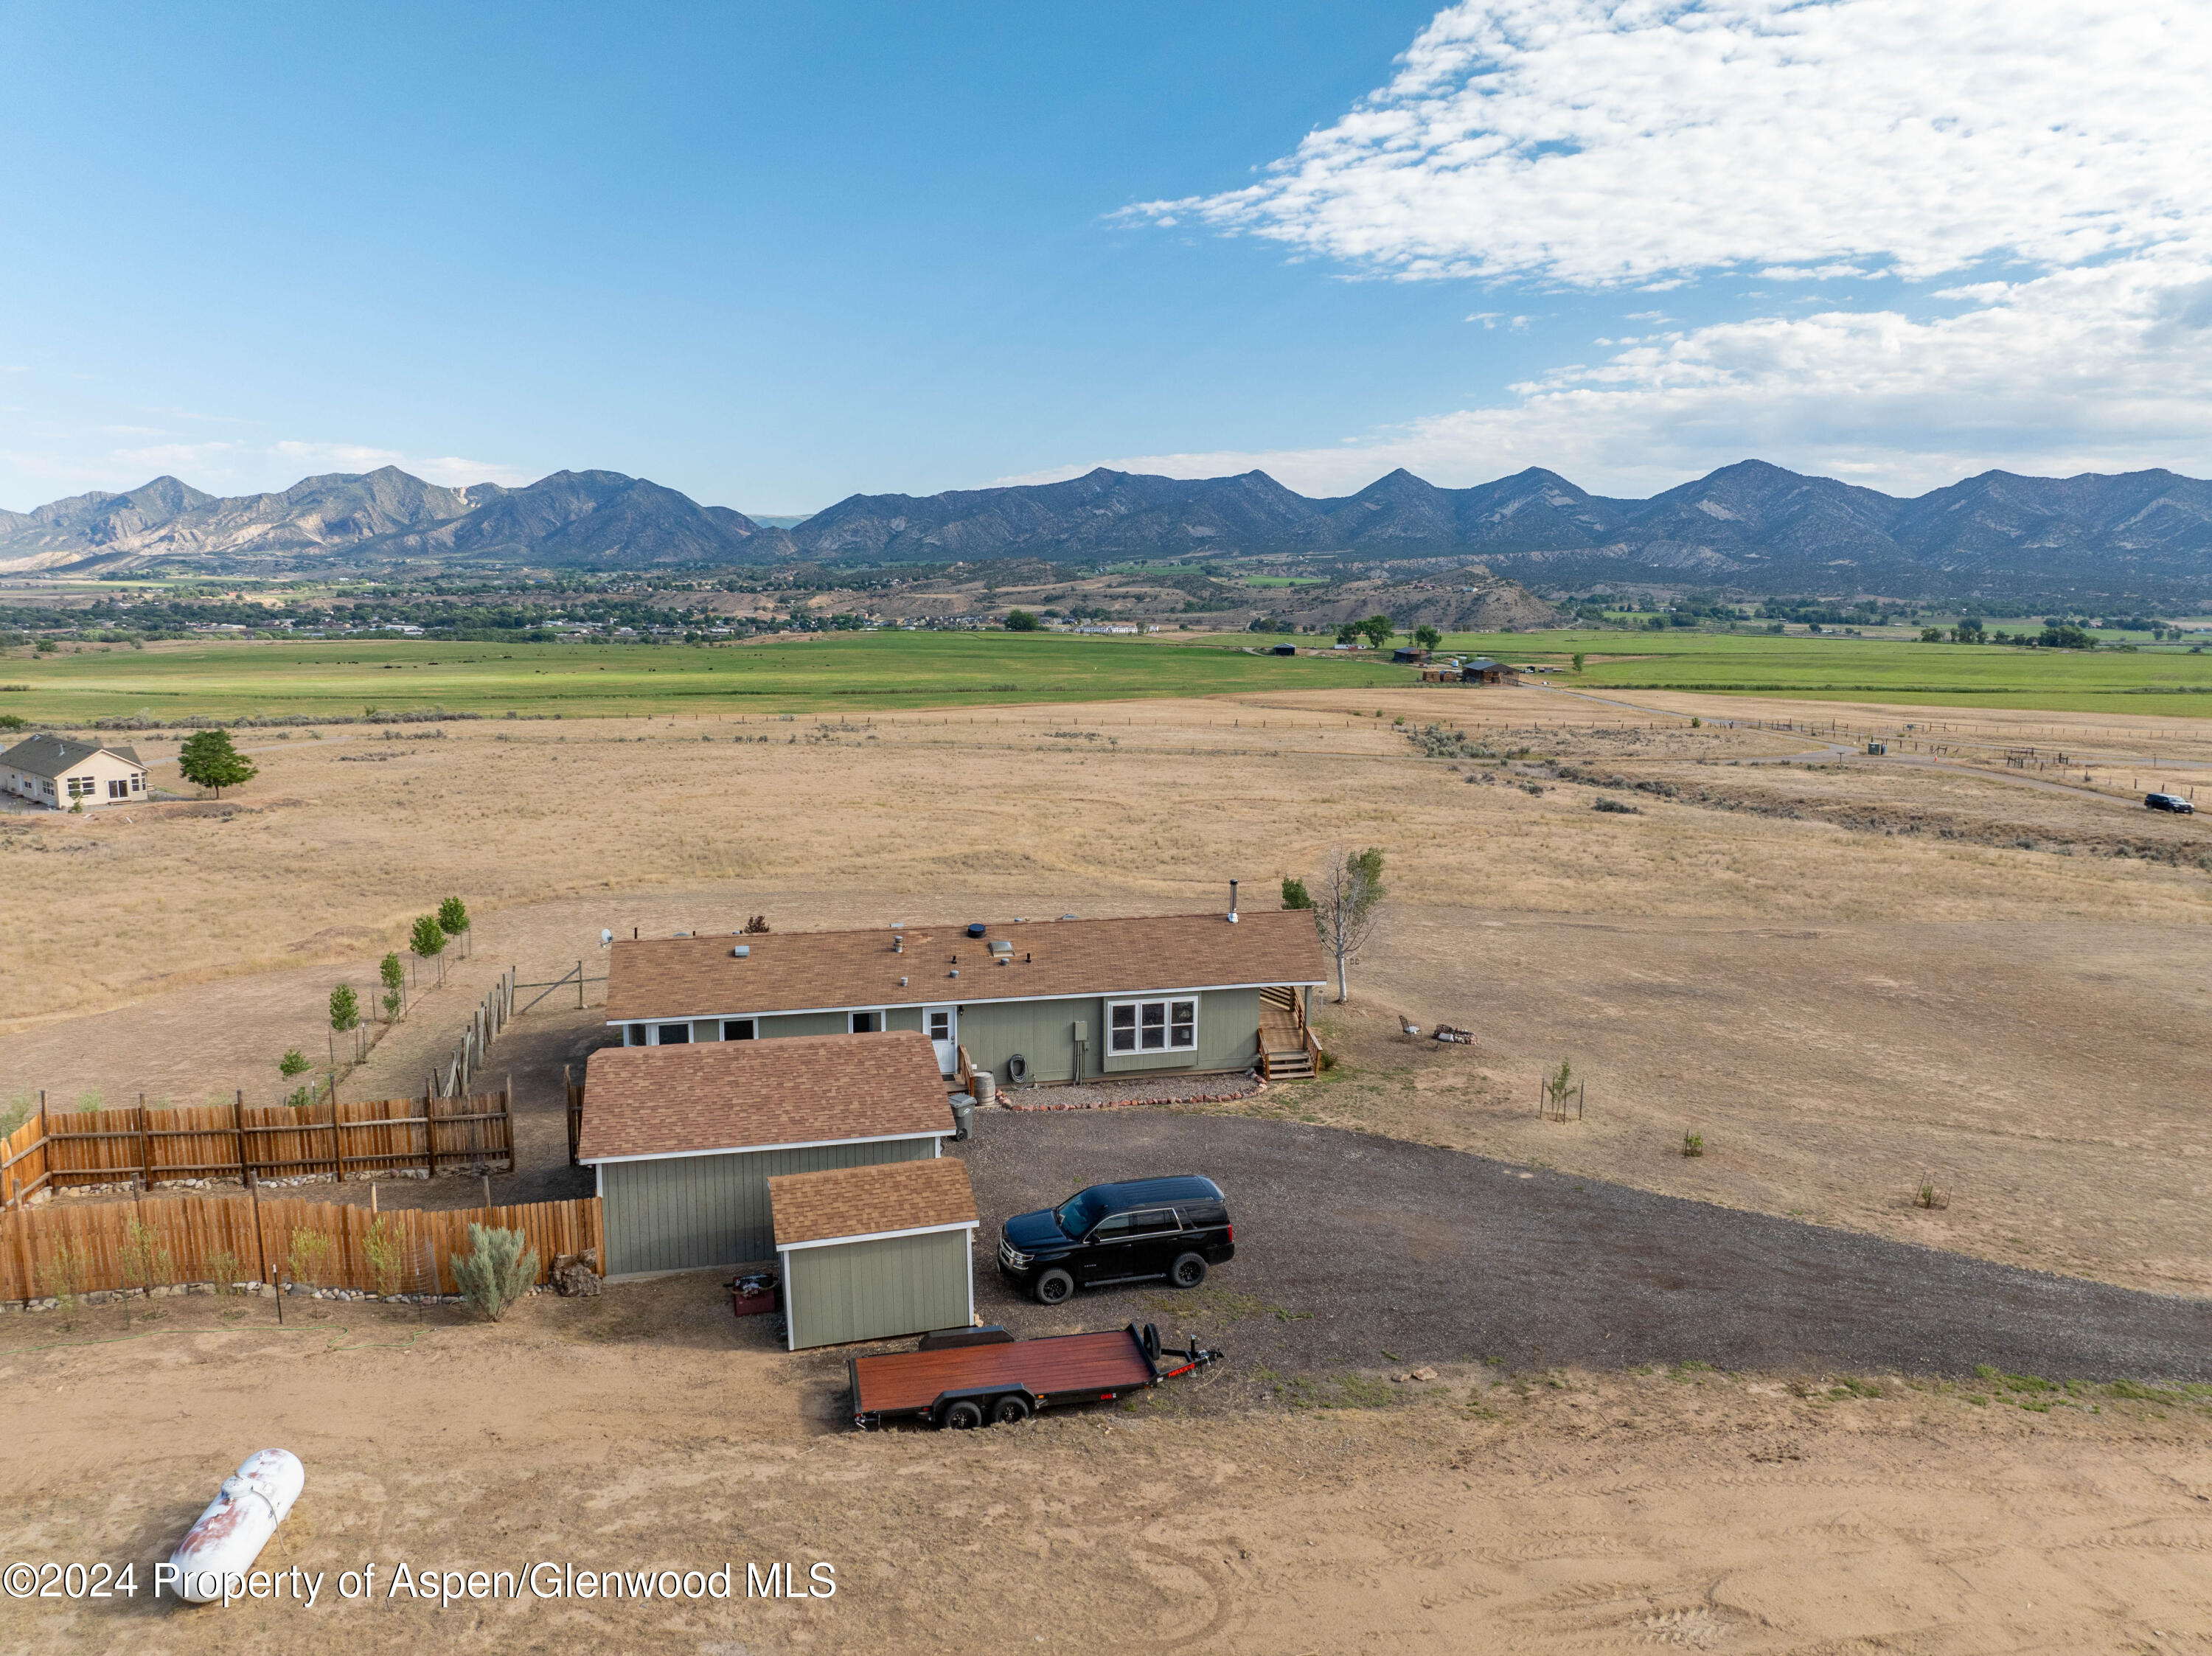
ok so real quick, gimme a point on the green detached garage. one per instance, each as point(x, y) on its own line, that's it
point(683, 1140)
point(869, 1253)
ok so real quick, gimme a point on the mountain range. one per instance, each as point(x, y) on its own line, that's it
point(1751, 526)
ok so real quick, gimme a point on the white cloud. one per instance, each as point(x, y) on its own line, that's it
point(1601, 143)
point(1650, 145)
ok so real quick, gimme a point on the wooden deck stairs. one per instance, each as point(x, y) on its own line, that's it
point(1288, 1051)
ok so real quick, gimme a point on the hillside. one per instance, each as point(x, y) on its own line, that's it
point(1751, 527)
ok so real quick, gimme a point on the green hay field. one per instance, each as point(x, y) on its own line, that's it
point(2148, 680)
point(232, 680)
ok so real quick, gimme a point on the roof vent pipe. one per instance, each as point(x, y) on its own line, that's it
point(741, 951)
point(1232, 902)
point(898, 945)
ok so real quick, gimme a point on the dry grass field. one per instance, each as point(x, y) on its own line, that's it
point(1482, 1511)
point(1847, 977)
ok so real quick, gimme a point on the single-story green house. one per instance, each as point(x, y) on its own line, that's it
point(683, 1140)
point(869, 1253)
point(1044, 1001)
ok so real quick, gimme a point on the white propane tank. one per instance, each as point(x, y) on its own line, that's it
point(229, 1535)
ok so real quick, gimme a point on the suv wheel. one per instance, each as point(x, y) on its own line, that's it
point(1055, 1286)
point(1010, 1411)
point(962, 1415)
point(1187, 1271)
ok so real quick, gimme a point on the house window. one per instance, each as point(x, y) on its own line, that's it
point(137, 782)
point(940, 1026)
point(867, 1024)
point(119, 790)
point(672, 1035)
point(633, 1035)
point(1152, 1026)
point(736, 1029)
point(81, 788)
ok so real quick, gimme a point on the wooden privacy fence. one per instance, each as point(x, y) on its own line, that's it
point(149, 1147)
point(197, 1238)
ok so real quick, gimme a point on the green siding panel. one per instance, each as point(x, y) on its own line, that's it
point(805, 1023)
point(1041, 1031)
point(688, 1212)
point(877, 1290)
point(903, 1017)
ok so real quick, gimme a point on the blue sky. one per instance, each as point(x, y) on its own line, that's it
point(772, 256)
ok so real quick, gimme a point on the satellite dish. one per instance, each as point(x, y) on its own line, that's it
point(606, 937)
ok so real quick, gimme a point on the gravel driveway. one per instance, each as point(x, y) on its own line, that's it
point(1358, 1252)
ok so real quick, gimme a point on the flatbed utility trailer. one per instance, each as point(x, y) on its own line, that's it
point(964, 1378)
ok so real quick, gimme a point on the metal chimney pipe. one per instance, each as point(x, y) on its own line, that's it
point(1232, 902)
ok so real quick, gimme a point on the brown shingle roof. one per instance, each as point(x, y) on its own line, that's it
point(744, 1094)
point(815, 1207)
point(803, 971)
point(50, 757)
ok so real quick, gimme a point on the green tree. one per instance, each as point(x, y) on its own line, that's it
point(1578, 661)
point(294, 1062)
point(426, 941)
point(345, 1009)
point(1347, 906)
point(1377, 629)
point(1426, 637)
point(1348, 632)
point(394, 976)
point(208, 759)
point(1020, 621)
point(1294, 894)
point(453, 917)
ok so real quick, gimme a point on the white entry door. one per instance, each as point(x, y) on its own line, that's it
point(943, 1025)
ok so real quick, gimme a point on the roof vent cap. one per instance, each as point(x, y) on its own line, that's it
point(977, 928)
point(740, 952)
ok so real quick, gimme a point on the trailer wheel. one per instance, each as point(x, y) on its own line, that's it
point(1011, 1410)
point(962, 1415)
point(1055, 1286)
point(1187, 1271)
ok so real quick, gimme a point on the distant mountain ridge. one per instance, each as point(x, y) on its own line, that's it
point(571, 519)
point(1752, 526)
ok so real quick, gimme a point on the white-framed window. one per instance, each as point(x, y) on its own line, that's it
point(867, 1024)
point(634, 1035)
point(940, 1026)
point(672, 1035)
point(138, 782)
point(81, 787)
point(1152, 1026)
point(738, 1029)
point(119, 790)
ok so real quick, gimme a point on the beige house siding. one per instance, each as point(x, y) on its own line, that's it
point(93, 781)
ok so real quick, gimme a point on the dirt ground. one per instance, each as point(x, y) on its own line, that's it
point(1483, 1510)
point(1842, 999)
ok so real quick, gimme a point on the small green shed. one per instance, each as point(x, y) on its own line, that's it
point(684, 1140)
point(869, 1253)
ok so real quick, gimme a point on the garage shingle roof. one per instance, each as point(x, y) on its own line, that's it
point(812, 971)
point(820, 1207)
point(749, 1095)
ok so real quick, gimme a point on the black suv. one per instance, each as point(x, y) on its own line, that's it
point(1172, 1227)
point(2173, 802)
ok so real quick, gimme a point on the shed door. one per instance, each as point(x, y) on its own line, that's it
point(943, 1023)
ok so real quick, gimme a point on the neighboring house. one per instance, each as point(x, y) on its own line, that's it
point(1049, 1000)
point(55, 771)
point(684, 1140)
point(1483, 670)
point(869, 1253)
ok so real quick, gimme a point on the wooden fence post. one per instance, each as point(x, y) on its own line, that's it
point(338, 1154)
point(579, 986)
point(238, 1126)
point(430, 1139)
point(145, 1149)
